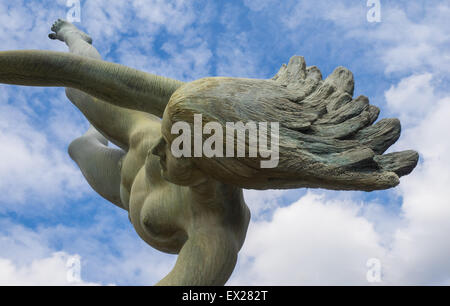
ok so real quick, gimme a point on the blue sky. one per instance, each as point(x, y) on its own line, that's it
point(48, 213)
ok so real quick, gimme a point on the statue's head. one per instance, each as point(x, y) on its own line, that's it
point(188, 168)
point(308, 153)
point(178, 170)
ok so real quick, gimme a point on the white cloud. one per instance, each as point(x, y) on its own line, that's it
point(134, 27)
point(262, 203)
point(50, 271)
point(26, 259)
point(109, 253)
point(34, 164)
point(411, 98)
point(405, 45)
point(410, 36)
point(237, 57)
point(31, 166)
point(309, 242)
point(175, 15)
point(422, 248)
point(25, 24)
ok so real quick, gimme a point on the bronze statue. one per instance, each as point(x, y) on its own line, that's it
point(194, 206)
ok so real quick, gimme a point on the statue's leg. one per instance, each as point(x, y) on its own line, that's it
point(78, 42)
point(99, 164)
point(113, 122)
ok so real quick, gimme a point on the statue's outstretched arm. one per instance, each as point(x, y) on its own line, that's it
point(207, 258)
point(112, 83)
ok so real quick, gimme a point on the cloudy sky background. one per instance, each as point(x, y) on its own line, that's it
point(49, 215)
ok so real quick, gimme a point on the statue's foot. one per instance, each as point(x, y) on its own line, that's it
point(63, 29)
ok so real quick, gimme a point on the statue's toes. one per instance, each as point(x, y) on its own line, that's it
point(57, 25)
point(52, 36)
point(54, 26)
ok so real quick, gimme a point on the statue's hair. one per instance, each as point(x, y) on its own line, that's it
point(326, 138)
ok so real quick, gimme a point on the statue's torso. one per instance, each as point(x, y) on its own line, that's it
point(162, 213)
